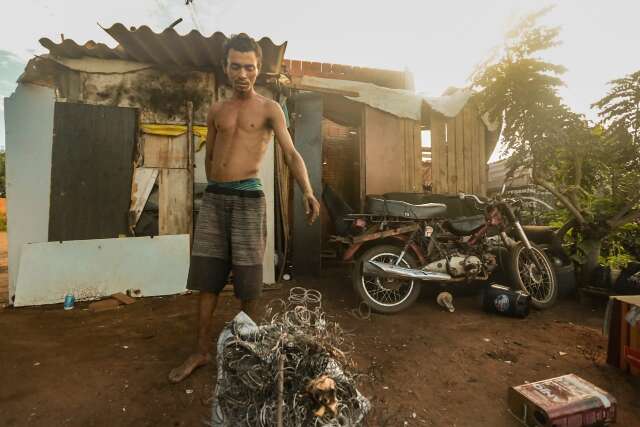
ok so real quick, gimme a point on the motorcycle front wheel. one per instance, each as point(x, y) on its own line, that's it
point(540, 283)
point(385, 295)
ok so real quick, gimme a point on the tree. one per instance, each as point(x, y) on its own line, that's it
point(592, 169)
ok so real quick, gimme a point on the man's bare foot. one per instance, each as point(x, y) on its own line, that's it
point(191, 364)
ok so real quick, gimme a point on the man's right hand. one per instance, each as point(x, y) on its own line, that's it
point(311, 207)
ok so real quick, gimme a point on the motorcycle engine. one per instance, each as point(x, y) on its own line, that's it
point(458, 265)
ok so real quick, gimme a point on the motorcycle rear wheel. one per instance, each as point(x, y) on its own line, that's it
point(385, 295)
point(542, 286)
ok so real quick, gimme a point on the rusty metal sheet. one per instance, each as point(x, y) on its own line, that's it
point(91, 171)
point(70, 49)
point(192, 50)
point(307, 239)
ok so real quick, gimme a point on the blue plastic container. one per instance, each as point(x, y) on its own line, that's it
point(69, 301)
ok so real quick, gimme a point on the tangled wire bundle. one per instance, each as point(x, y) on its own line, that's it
point(248, 361)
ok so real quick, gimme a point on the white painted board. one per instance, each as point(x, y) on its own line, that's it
point(28, 116)
point(91, 269)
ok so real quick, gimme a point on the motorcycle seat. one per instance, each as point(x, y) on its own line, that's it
point(466, 225)
point(397, 208)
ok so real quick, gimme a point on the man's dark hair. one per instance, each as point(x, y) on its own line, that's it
point(242, 43)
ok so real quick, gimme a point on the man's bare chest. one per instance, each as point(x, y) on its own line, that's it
point(230, 120)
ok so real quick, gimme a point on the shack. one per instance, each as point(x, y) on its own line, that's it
point(375, 130)
point(105, 157)
point(98, 149)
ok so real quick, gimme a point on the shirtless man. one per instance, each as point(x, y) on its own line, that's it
point(231, 228)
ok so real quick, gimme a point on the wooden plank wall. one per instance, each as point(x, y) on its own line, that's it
point(175, 207)
point(459, 159)
point(392, 153)
point(383, 162)
point(170, 154)
point(412, 149)
point(162, 151)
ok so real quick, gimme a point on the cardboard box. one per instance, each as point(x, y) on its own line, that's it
point(566, 401)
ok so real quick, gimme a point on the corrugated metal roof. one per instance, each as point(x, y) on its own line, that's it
point(192, 50)
point(70, 49)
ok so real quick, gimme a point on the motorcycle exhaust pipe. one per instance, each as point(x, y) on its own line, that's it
point(390, 270)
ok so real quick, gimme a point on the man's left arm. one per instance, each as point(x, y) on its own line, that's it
point(294, 160)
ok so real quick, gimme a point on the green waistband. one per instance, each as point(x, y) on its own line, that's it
point(251, 184)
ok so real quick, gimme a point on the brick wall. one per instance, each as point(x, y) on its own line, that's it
point(386, 78)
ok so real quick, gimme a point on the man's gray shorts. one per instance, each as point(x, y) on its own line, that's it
point(230, 235)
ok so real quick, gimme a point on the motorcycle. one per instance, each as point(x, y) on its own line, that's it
point(399, 246)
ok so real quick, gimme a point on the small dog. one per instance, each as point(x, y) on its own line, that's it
point(322, 391)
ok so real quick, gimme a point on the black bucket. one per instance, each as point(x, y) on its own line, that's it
point(503, 300)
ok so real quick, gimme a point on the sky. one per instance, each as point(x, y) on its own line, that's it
point(439, 42)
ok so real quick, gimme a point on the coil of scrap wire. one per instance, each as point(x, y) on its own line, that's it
point(298, 330)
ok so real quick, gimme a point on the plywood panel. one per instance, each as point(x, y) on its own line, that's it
point(384, 154)
point(96, 268)
point(439, 153)
point(91, 171)
point(28, 116)
point(452, 174)
point(468, 140)
point(165, 151)
point(175, 202)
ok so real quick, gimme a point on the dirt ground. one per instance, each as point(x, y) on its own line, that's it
point(77, 368)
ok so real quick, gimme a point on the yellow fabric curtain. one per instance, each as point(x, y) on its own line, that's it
point(176, 130)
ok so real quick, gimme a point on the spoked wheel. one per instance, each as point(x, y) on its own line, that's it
point(382, 294)
point(532, 272)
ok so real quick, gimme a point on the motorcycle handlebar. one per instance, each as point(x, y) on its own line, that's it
point(471, 196)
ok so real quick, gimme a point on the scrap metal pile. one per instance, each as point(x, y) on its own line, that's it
point(300, 346)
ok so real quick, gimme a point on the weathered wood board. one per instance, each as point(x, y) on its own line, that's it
point(162, 151)
point(175, 202)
